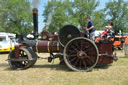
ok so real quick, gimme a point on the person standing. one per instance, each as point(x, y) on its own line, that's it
point(91, 29)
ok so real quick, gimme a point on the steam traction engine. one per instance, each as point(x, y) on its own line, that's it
point(77, 52)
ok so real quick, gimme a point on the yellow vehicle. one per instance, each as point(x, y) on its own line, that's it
point(7, 41)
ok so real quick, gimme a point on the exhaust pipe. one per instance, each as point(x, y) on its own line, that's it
point(35, 21)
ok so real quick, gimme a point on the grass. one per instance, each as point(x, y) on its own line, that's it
point(44, 73)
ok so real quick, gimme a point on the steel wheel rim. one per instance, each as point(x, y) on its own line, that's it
point(24, 53)
point(81, 58)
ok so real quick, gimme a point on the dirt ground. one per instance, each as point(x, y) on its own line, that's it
point(44, 73)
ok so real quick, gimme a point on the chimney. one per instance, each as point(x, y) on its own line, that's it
point(35, 21)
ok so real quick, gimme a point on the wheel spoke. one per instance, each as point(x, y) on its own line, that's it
point(90, 59)
point(82, 45)
point(84, 64)
point(88, 62)
point(76, 62)
point(72, 55)
point(25, 63)
point(74, 48)
point(80, 63)
point(73, 59)
point(88, 49)
point(71, 51)
point(77, 46)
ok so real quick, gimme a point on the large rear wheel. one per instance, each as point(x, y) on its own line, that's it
point(81, 54)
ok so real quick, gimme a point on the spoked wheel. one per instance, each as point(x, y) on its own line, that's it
point(27, 58)
point(81, 54)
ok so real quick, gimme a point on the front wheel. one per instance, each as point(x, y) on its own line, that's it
point(27, 58)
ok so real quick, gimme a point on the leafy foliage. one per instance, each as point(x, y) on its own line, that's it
point(16, 17)
point(55, 15)
point(75, 12)
point(117, 12)
point(84, 9)
point(69, 12)
point(99, 19)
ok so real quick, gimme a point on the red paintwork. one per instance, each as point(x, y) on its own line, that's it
point(105, 60)
point(17, 50)
point(105, 48)
point(47, 46)
point(55, 37)
point(47, 36)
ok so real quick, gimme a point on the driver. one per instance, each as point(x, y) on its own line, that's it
point(90, 28)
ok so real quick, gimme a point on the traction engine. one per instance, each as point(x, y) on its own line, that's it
point(77, 52)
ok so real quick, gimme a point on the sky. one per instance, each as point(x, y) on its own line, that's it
point(44, 2)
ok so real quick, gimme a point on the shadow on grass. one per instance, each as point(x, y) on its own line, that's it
point(3, 53)
point(103, 66)
point(54, 66)
point(124, 56)
point(3, 65)
point(65, 68)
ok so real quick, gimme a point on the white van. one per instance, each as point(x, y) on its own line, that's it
point(7, 41)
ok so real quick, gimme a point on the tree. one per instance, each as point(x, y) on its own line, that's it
point(117, 12)
point(83, 9)
point(99, 19)
point(18, 16)
point(2, 11)
point(55, 15)
point(62, 12)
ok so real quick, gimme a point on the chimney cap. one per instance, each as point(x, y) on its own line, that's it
point(35, 9)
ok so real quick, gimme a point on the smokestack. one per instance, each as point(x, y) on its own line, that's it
point(35, 21)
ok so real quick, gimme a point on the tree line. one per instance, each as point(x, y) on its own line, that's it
point(58, 13)
point(16, 15)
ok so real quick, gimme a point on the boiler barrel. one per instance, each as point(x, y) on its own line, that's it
point(47, 46)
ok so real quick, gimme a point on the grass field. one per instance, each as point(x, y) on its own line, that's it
point(44, 73)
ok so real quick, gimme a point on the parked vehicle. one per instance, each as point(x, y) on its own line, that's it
point(7, 41)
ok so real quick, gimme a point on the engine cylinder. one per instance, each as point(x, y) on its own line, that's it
point(47, 46)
